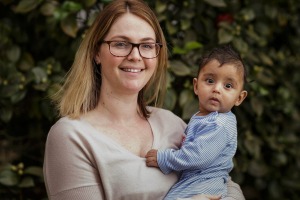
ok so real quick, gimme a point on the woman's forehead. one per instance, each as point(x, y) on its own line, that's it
point(131, 26)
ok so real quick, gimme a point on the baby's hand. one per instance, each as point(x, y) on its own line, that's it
point(151, 158)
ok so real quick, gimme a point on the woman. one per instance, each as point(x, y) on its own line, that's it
point(97, 149)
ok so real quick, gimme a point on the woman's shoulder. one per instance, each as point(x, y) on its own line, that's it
point(167, 127)
point(65, 127)
point(163, 117)
point(161, 113)
point(65, 123)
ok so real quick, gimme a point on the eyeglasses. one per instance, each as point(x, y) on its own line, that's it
point(123, 48)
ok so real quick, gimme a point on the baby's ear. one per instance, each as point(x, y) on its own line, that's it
point(195, 85)
point(241, 97)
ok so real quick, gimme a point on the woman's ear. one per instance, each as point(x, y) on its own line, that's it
point(97, 59)
point(241, 97)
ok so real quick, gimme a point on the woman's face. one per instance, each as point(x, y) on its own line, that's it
point(126, 75)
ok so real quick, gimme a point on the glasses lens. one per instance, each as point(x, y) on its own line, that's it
point(149, 50)
point(122, 49)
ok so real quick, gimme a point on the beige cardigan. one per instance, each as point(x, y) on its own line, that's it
point(83, 164)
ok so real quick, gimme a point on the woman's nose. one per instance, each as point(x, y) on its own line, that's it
point(134, 54)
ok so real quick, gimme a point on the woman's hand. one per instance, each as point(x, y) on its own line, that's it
point(151, 158)
point(206, 197)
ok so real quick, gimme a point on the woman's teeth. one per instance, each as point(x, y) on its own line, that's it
point(132, 70)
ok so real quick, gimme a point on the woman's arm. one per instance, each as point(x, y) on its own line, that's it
point(202, 197)
point(68, 168)
point(234, 191)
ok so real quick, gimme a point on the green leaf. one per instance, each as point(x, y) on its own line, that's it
point(224, 36)
point(185, 97)
point(25, 6)
point(27, 62)
point(271, 11)
point(171, 29)
point(92, 18)
point(160, 7)
point(170, 99)
point(292, 184)
point(178, 50)
point(248, 14)
point(266, 59)
point(69, 26)
point(53, 89)
point(39, 74)
point(89, 3)
point(280, 159)
point(18, 96)
point(257, 168)
point(193, 45)
point(48, 8)
point(9, 90)
point(216, 3)
point(26, 182)
point(34, 170)
point(179, 68)
point(13, 53)
point(185, 24)
point(41, 87)
point(6, 114)
point(9, 178)
point(190, 108)
point(71, 6)
point(252, 144)
point(240, 45)
point(257, 106)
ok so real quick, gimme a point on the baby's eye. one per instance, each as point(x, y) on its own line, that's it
point(228, 85)
point(209, 80)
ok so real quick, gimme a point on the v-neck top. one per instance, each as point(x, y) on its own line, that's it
point(82, 163)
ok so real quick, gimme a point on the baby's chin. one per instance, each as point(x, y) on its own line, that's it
point(219, 110)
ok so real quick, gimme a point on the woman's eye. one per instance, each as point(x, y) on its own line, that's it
point(120, 44)
point(147, 46)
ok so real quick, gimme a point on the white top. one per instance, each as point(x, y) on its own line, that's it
point(82, 163)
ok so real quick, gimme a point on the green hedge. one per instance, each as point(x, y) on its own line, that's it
point(38, 39)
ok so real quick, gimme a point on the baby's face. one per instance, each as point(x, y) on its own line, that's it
point(219, 88)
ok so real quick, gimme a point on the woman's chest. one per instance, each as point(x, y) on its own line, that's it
point(137, 139)
point(126, 176)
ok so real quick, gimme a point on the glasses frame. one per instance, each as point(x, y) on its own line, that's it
point(133, 45)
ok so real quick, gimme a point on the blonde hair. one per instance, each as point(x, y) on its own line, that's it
point(81, 90)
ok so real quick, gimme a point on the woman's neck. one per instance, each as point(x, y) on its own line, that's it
point(119, 108)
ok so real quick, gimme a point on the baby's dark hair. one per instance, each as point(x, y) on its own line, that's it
point(224, 54)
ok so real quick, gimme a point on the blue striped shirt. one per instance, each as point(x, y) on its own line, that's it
point(205, 157)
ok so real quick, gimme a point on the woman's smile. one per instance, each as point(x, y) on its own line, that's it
point(132, 70)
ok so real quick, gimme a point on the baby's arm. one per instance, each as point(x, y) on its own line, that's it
point(151, 158)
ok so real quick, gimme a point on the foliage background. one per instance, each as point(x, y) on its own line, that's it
point(38, 39)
